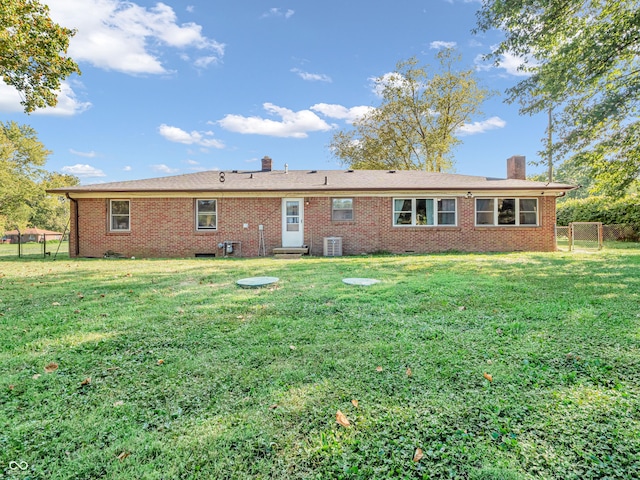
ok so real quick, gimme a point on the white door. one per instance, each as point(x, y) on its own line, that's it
point(292, 222)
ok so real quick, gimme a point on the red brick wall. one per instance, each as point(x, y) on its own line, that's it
point(165, 227)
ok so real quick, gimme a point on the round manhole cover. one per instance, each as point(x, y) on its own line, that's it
point(257, 281)
point(360, 281)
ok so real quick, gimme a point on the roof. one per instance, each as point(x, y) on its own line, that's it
point(314, 181)
point(33, 231)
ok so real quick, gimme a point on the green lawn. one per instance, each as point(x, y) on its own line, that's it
point(168, 370)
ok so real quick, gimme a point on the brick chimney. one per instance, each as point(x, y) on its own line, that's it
point(266, 163)
point(517, 168)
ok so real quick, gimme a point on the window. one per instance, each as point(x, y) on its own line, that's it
point(292, 213)
point(424, 211)
point(119, 212)
point(342, 209)
point(506, 211)
point(207, 214)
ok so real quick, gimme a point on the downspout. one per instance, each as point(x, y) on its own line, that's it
point(77, 224)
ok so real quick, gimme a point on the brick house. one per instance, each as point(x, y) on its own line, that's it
point(328, 212)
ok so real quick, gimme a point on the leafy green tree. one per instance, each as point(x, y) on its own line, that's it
point(33, 52)
point(416, 125)
point(584, 63)
point(23, 181)
point(51, 212)
point(21, 159)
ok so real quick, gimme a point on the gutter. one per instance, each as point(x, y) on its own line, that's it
point(77, 224)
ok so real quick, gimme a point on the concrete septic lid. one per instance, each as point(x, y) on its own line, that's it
point(257, 281)
point(360, 281)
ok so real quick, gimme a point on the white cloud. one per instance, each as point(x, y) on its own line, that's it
point(177, 135)
point(474, 128)
point(127, 168)
point(341, 113)
point(118, 34)
point(68, 103)
point(162, 168)
point(508, 62)
point(191, 162)
point(278, 12)
point(90, 154)
point(393, 79)
point(292, 124)
point(190, 8)
point(312, 77)
point(439, 44)
point(83, 171)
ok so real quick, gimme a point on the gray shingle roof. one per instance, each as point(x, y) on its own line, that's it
point(315, 180)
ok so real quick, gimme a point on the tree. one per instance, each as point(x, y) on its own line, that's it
point(583, 61)
point(51, 212)
point(32, 52)
point(23, 181)
point(415, 126)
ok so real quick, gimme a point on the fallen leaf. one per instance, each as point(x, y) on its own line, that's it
point(354, 402)
point(461, 308)
point(342, 419)
point(409, 373)
point(119, 403)
point(76, 311)
point(102, 295)
point(56, 304)
point(160, 362)
point(487, 376)
point(86, 381)
point(418, 455)
point(52, 367)
point(378, 369)
point(36, 376)
point(80, 296)
point(123, 455)
point(273, 407)
point(11, 387)
point(292, 347)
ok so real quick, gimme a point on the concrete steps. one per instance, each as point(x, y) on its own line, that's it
point(290, 252)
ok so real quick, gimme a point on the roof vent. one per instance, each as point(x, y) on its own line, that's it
point(349, 171)
point(234, 171)
point(392, 171)
point(313, 171)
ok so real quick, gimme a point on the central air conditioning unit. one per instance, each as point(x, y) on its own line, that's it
point(332, 246)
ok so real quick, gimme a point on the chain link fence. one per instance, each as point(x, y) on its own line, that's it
point(45, 245)
point(592, 235)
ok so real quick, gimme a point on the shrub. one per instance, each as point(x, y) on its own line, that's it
point(625, 210)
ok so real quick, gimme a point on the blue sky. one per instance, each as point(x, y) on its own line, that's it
point(184, 86)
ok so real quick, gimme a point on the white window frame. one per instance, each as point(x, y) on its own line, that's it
point(197, 210)
point(112, 215)
point(436, 212)
point(334, 209)
point(496, 201)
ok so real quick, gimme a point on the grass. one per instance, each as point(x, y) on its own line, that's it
point(194, 377)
